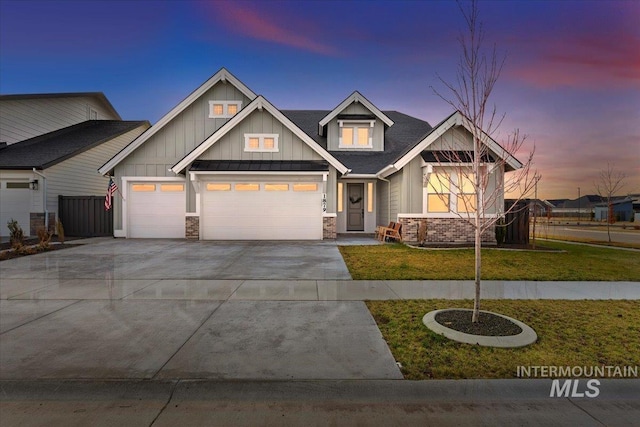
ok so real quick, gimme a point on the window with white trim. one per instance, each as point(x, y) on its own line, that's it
point(223, 109)
point(466, 200)
point(356, 134)
point(438, 197)
point(261, 142)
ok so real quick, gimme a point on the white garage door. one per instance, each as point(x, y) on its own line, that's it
point(262, 211)
point(15, 202)
point(156, 209)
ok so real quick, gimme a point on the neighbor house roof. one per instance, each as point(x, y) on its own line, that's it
point(46, 150)
point(98, 95)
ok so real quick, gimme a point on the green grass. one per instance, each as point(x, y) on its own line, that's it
point(576, 262)
point(570, 333)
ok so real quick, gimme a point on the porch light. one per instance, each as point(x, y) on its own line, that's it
point(33, 184)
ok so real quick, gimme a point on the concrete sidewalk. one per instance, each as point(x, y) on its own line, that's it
point(313, 403)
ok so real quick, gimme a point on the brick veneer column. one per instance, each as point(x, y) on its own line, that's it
point(329, 227)
point(192, 227)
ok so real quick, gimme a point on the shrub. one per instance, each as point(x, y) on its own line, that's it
point(16, 235)
point(44, 236)
point(60, 230)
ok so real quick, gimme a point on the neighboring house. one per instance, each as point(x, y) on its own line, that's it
point(621, 209)
point(62, 162)
point(25, 116)
point(226, 164)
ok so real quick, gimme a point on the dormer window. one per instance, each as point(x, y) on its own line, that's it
point(223, 109)
point(356, 134)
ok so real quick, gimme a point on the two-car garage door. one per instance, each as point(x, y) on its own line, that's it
point(261, 210)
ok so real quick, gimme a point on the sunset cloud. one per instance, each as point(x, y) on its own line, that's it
point(246, 19)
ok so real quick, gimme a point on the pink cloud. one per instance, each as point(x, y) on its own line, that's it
point(608, 60)
point(246, 19)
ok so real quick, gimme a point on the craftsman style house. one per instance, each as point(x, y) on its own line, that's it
point(226, 164)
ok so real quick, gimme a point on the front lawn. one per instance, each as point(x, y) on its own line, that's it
point(577, 262)
point(570, 333)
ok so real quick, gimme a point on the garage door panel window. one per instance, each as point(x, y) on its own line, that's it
point(276, 187)
point(305, 187)
point(139, 188)
point(247, 187)
point(218, 187)
point(172, 187)
point(17, 185)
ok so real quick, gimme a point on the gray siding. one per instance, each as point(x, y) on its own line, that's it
point(382, 206)
point(181, 135)
point(231, 146)
point(333, 130)
point(22, 119)
point(396, 194)
point(457, 138)
point(412, 187)
point(78, 176)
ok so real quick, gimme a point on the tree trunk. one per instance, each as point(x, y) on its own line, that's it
point(478, 265)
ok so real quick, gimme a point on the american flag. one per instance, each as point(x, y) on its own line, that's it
point(112, 188)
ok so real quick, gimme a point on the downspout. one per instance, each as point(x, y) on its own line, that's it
point(44, 204)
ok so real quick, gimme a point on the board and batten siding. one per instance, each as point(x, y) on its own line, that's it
point(231, 145)
point(180, 136)
point(395, 194)
point(78, 175)
point(333, 130)
point(382, 206)
point(22, 119)
point(412, 187)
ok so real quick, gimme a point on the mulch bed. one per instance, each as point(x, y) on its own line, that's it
point(488, 325)
point(31, 248)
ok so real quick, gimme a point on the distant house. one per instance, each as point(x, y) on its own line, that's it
point(620, 209)
point(25, 116)
point(34, 172)
point(225, 164)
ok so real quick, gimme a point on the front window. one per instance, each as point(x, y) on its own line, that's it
point(438, 197)
point(466, 193)
point(255, 142)
point(356, 134)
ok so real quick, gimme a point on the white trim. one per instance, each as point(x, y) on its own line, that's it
point(222, 75)
point(225, 109)
point(259, 102)
point(357, 98)
point(261, 137)
point(355, 125)
point(456, 119)
point(444, 215)
point(360, 176)
point(124, 189)
point(329, 215)
point(265, 173)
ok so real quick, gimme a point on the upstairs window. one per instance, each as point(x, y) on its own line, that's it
point(356, 134)
point(223, 109)
point(261, 142)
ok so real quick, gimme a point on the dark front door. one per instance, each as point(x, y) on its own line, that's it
point(355, 207)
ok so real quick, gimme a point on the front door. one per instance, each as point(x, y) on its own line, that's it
point(355, 207)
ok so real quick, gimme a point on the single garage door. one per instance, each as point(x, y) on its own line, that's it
point(15, 203)
point(262, 211)
point(156, 210)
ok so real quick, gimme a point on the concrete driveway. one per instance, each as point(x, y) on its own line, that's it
point(169, 309)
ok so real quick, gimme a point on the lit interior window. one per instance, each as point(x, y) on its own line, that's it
point(171, 187)
point(143, 187)
point(218, 187)
point(218, 109)
point(254, 143)
point(232, 109)
point(370, 197)
point(438, 198)
point(247, 187)
point(276, 187)
point(347, 136)
point(305, 187)
point(363, 136)
point(339, 197)
point(269, 143)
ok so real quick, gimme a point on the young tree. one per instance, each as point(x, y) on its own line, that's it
point(479, 170)
point(609, 183)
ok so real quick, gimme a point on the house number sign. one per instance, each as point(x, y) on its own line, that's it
point(324, 202)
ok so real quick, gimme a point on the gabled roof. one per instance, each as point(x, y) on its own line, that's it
point(46, 150)
point(406, 132)
point(358, 98)
point(257, 104)
point(455, 119)
point(221, 76)
point(98, 95)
